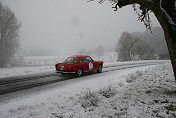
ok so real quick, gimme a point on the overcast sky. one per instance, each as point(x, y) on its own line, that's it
point(72, 24)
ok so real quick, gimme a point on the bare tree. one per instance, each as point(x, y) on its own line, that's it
point(165, 12)
point(143, 51)
point(9, 27)
point(152, 44)
point(125, 45)
point(147, 46)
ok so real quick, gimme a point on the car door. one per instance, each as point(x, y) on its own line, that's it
point(83, 64)
point(89, 64)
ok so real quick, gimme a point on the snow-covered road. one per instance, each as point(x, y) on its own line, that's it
point(10, 84)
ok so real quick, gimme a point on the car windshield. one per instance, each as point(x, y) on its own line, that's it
point(70, 60)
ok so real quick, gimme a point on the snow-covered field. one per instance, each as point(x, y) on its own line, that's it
point(140, 92)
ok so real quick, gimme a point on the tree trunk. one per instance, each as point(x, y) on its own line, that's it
point(171, 43)
point(129, 55)
point(170, 36)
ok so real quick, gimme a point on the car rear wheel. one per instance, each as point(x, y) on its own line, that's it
point(99, 69)
point(79, 72)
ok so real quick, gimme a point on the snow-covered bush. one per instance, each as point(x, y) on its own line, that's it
point(132, 77)
point(88, 98)
point(139, 73)
point(56, 115)
point(108, 91)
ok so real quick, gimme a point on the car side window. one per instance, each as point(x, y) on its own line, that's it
point(70, 60)
point(88, 59)
point(82, 60)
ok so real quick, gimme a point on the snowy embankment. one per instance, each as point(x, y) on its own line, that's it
point(144, 92)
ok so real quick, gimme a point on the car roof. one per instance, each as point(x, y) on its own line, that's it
point(79, 56)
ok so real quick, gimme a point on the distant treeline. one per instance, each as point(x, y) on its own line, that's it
point(142, 45)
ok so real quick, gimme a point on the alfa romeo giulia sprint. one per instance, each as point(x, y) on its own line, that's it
point(78, 65)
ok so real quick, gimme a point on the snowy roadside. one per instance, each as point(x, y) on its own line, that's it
point(16, 71)
point(145, 92)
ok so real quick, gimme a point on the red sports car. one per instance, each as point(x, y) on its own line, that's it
point(79, 64)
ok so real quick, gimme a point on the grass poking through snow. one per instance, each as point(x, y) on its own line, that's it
point(88, 98)
point(108, 91)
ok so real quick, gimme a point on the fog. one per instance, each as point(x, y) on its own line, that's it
point(70, 25)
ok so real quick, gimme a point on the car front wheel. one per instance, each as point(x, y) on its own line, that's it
point(79, 72)
point(99, 69)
